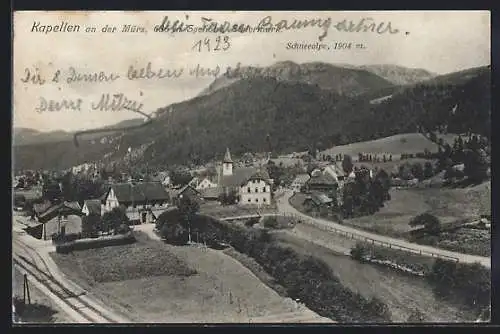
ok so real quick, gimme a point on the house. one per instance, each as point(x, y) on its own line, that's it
point(322, 182)
point(187, 190)
point(256, 189)
point(92, 206)
point(318, 203)
point(143, 201)
point(205, 184)
point(211, 194)
point(252, 185)
point(300, 181)
point(335, 171)
point(62, 218)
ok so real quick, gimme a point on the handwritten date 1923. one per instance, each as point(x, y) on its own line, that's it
point(220, 43)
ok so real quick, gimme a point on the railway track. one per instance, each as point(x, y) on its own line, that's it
point(81, 309)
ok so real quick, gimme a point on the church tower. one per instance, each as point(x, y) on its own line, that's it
point(227, 165)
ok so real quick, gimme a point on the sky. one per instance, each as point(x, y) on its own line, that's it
point(438, 41)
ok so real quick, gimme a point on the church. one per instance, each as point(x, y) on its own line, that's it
point(251, 185)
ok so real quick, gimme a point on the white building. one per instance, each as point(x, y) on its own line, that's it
point(299, 182)
point(252, 185)
point(205, 183)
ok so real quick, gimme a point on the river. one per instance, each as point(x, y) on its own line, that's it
point(401, 292)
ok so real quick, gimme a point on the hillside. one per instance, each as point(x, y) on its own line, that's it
point(26, 136)
point(338, 79)
point(399, 75)
point(408, 143)
point(295, 115)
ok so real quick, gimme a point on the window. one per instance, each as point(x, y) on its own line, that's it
point(264, 200)
point(249, 190)
point(249, 200)
point(256, 200)
point(256, 190)
point(263, 189)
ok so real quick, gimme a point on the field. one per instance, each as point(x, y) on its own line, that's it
point(449, 205)
point(154, 282)
point(221, 211)
point(42, 308)
point(395, 145)
point(401, 292)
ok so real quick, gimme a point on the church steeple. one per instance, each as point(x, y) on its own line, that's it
point(227, 165)
point(227, 157)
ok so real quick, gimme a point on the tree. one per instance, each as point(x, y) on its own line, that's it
point(347, 164)
point(188, 207)
point(428, 170)
point(111, 220)
point(476, 165)
point(430, 222)
point(90, 225)
point(174, 233)
point(180, 178)
point(417, 170)
point(405, 171)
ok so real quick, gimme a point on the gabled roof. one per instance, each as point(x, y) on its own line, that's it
point(261, 174)
point(139, 192)
point(302, 178)
point(213, 192)
point(319, 198)
point(242, 175)
point(66, 208)
point(322, 179)
point(177, 192)
point(227, 156)
point(93, 205)
point(238, 177)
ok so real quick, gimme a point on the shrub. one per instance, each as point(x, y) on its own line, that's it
point(430, 222)
point(174, 233)
point(271, 222)
point(306, 278)
point(359, 251)
point(251, 222)
point(470, 282)
point(84, 244)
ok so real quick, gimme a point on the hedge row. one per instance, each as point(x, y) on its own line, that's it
point(306, 278)
point(84, 244)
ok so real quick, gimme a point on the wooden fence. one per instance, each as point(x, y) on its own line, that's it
point(355, 236)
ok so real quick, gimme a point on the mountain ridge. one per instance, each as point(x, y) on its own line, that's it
point(262, 114)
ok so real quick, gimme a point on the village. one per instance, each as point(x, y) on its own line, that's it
point(275, 192)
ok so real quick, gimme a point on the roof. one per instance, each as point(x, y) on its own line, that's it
point(322, 179)
point(302, 178)
point(93, 205)
point(242, 175)
point(65, 208)
point(213, 192)
point(140, 192)
point(177, 192)
point(227, 156)
point(334, 169)
point(42, 207)
point(319, 198)
point(261, 174)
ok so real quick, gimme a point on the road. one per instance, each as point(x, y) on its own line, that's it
point(31, 257)
point(284, 207)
